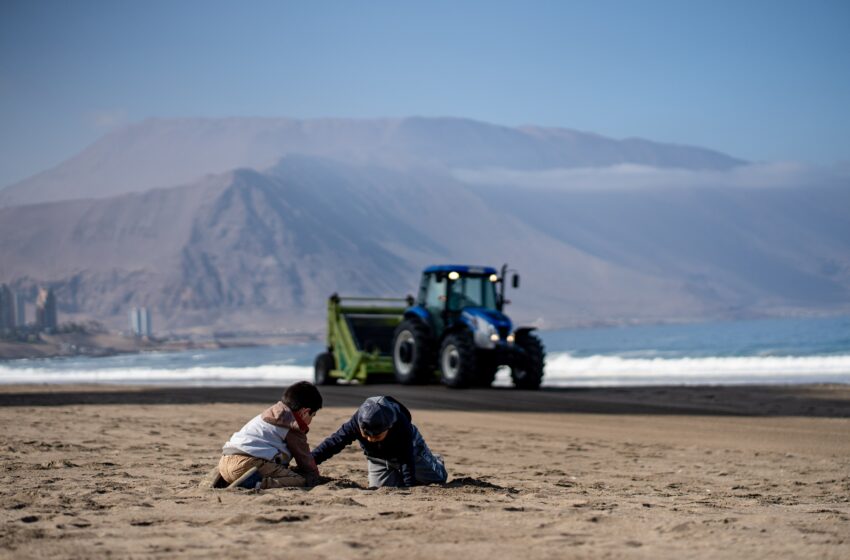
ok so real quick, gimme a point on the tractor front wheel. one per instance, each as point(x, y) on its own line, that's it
point(323, 366)
point(527, 373)
point(413, 353)
point(457, 360)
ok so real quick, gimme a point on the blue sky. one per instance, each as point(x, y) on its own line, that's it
point(761, 80)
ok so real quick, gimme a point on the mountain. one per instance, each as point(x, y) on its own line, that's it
point(160, 153)
point(736, 250)
point(252, 223)
point(250, 249)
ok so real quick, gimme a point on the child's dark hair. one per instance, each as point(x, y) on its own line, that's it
point(302, 395)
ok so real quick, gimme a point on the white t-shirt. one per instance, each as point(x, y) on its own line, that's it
point(260, 439)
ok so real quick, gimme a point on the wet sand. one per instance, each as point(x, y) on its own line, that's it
point(670, 472)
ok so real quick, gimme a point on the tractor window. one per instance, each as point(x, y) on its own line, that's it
point(434, 292)
point(472, 291)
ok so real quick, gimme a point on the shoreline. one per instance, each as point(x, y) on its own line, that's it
point(105, 344)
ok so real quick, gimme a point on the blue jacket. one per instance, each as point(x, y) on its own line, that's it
point(397, 447)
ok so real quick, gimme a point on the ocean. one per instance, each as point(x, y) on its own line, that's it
point(774, 351)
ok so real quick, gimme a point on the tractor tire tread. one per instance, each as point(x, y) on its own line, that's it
point(466, 350)
point(322, 367)
point(423, 360)
point(531, 375)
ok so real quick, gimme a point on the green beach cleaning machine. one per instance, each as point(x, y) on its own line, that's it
point(360, 337)
point(455, 331)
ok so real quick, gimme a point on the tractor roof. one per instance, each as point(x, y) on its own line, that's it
point(461, 268)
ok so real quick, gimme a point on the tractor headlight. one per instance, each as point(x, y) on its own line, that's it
point(494, 278)
point(494, 337)
point(511, 338)
point(454, 275)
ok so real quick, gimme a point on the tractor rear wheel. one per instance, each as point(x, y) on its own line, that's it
point(527, 372)
point(322, 367)
point(457, 360)
point(413, 353)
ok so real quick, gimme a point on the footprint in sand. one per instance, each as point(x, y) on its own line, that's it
point(394, 514)
point(284, 519)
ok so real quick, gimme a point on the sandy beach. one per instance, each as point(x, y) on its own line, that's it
point(669, 472)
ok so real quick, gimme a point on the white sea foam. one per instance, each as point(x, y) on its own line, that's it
point(195, 376)
point(562, 370)
point(566, 370)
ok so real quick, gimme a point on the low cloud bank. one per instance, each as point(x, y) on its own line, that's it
point(641, 177)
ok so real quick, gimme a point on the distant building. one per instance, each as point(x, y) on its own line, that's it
point(140, 321)
point(145, 322)
point(135, 323)
point(45, 310)
point(20, 310)
point(7, 308)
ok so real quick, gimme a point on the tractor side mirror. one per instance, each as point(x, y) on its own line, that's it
point(515, 281)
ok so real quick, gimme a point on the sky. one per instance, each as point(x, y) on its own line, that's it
point(760, 80)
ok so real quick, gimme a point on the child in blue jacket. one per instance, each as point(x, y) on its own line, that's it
point(396, 453)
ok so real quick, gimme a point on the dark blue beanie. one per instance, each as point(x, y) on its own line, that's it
point(375, 416)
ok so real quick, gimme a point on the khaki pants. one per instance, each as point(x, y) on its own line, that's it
point(232, 467)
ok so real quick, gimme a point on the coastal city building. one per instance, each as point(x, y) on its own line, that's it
point(140, 321)
point(45, 310)
point(20, 310)
point(7, 308)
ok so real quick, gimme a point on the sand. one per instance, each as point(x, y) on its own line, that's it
point(754, 472)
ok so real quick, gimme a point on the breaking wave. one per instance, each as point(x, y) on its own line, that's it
point(562, 370)
point(194, 376)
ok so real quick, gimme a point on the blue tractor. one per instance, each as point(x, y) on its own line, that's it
point(457, 326)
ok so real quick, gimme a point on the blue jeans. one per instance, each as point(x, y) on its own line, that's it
point(429, 467)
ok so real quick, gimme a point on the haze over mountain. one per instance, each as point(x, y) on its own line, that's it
point(164, 153)
point(252, 223)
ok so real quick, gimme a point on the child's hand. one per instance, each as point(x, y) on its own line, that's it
point(311, 477)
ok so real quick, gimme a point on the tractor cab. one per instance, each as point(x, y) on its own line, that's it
point(447, 291)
